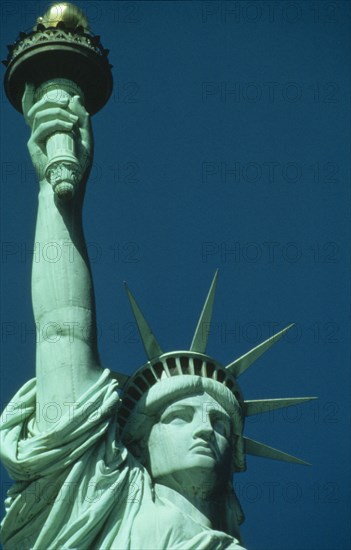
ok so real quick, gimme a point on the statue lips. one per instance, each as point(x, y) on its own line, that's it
point(203, 447)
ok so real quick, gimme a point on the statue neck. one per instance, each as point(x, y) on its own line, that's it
point(204, 509)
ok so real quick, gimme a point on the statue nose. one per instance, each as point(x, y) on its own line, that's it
point(204, 430)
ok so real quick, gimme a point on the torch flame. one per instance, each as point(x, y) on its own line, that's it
point(64, 12)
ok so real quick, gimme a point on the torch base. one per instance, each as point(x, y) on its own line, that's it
point(64, 176)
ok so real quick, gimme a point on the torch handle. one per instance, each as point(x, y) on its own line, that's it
point(63, 170)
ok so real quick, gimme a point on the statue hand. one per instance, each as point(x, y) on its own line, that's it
point(48, 116)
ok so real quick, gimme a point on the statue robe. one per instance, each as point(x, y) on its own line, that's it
point(77, 487)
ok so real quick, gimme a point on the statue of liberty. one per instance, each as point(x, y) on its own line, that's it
point(140, 462)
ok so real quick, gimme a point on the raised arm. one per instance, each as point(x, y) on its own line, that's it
point(67, 360)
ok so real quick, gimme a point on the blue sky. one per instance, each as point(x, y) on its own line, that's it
point(224, 145)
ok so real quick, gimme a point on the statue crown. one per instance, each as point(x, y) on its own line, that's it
point(162, 366)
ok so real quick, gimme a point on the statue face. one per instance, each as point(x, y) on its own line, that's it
point(190, 441)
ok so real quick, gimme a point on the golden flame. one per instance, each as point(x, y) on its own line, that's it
point(72, 16)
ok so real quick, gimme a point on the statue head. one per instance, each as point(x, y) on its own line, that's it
point(186, 431)
point(182, 414)
point(187, 423)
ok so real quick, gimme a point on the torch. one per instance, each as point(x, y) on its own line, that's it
point(61, 58)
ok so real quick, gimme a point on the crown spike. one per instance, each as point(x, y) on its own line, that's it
point(265, 451)
point(260, 406)
point(150, 343)
point(245, 361)
point(199, 342)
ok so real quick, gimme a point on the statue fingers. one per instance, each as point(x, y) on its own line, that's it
point(51, 115)
point(76, 106)
point(28, 100)
point(46, 129)
point(43, 104)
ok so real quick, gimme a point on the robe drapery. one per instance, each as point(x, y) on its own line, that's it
point(77, 487)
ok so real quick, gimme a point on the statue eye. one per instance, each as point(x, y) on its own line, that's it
point(221, 425)
point(178, 416)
